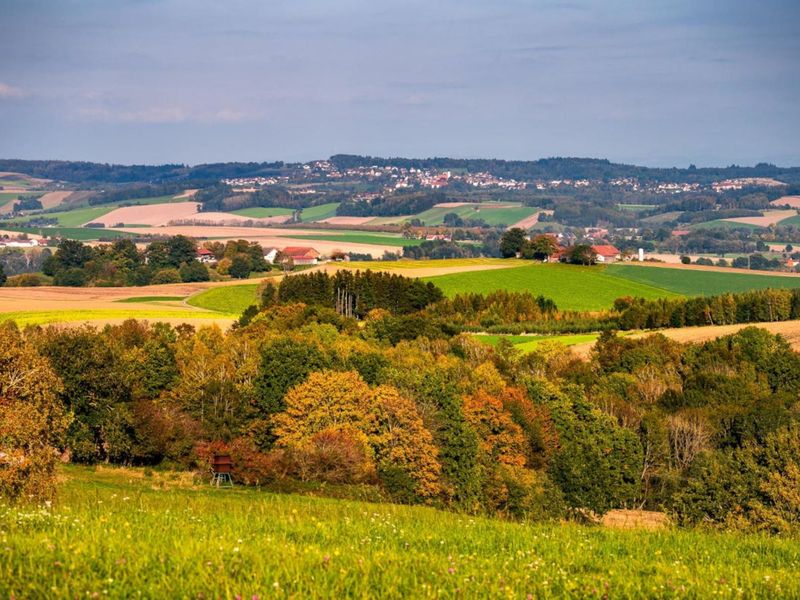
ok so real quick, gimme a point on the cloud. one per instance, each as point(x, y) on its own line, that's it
point(166, 115)
point(9, 91)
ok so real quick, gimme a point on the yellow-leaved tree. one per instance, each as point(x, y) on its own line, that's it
point(33, 421)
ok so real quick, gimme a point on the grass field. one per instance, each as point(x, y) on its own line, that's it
point(121, 533)
point(43, 317)
point(145, 299)
point(700, 283)
point(571, 287)
point(319, 212)
point(360, 238)
point(6, 197)
point(526, 343)
point(71, 218)
point(717, 223)
point(791, 221)
point(83, 234)
point(232, 299)
point(260, 212)
point(487, 211)
point(410, 265)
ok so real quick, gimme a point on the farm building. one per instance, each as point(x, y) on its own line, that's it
point(204, 255)
point(270, 254)
point(301, 255)
point(607, 253)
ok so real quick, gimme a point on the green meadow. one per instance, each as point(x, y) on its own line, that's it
point(320, 212)
point(31, 317)
point(489, 212)
point(527, 343)
point(261, 212)
point(689, 282)
point(231, 299)
point(571, 287)
point(123, 533)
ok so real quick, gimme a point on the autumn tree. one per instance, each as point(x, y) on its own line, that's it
point(32, 420)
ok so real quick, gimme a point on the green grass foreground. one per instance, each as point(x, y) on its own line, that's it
point(118, 533)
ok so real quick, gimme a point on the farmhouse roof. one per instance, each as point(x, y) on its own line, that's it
point(605, 250)
point(204, 252)
point(300, 252)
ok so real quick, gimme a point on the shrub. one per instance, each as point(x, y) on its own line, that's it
point(166, 276)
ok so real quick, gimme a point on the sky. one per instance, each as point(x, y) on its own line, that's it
point(649, 82)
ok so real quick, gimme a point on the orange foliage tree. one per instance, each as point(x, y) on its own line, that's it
point(32, 420)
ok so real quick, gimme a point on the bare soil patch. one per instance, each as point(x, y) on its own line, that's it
point(152, 214)
point(770, 218)
point(53, 199)
point(532, 220)
point(792, 201)
point(347, 220)
point(187, 194)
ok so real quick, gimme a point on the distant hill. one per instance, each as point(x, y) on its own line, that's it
point(545, 168)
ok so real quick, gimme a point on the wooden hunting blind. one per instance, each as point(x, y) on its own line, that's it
point(221, 467)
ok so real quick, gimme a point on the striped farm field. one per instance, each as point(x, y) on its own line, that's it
point(570, 287)
point(690, 282)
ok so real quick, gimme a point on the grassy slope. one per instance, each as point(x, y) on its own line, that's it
point(6, 197)
point(319, 212)
point(571, 287)
point(489, 213)
point(717, 223)
point(696, 283)
point(231, 299)
point(117, 533)
point(260, 212)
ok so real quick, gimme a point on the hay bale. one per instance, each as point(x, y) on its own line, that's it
point(635, 519)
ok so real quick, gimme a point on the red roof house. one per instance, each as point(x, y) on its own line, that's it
point(301, 255)
point(606, 253)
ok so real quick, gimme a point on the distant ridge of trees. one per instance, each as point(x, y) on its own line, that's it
point(525, 170)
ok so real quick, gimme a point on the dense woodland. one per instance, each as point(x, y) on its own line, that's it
point(707, 432)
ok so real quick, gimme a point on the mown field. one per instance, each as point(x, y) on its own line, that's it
point(44, 317)
point(124, 533)
point(232, 299)
point(690, 282)
point(360, 238)
point(571, 287)
point(319, 212)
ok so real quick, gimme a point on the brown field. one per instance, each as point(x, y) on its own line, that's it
point(206, 219)
point(347, 220)
point(53, 199)
point(8, 207)
point(770, 218)
point(532, 220)
point(152, 214)
point(790, 330)
point(268, 237)
point(792, 201)
point(187, 194)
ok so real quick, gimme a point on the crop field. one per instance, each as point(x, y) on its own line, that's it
point(319, 212)
point(725, 224)
point(526, 343)
point(260, 212)
point(571, 287)
point(84, 234)
point(44, 317)
point(147, 299)
point(506, 213)
point(689, 282)
point(361, 238)
point(71, 218)
point(231, 299)
point(6, 197)
point(125, 532)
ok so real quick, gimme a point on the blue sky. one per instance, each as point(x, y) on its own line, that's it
point(659, 83)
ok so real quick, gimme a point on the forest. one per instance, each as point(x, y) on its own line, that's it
point(394, 399)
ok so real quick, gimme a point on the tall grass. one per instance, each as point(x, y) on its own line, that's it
point(120, 533)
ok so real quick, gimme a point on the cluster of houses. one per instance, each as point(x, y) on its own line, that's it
point(296, 255)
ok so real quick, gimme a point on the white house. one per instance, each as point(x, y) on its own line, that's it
point(270, 254)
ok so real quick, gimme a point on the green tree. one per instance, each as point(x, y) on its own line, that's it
point(582, 254)
point(512, 242)
point(241, 267)
point(193, 271)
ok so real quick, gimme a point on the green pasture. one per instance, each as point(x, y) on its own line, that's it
point(229, 299)
point(124, 533)
point(319, 212)
point(571, 287)
point(146, 299)
point(261, 212)
point(489, 212)
point(689, 282)
point(32, 317)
